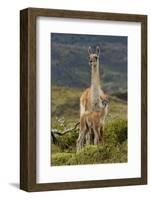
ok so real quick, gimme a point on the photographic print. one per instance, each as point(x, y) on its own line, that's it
point(88, 99)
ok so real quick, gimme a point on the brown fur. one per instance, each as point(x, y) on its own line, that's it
point(91, 107)
point(91, 122)
point(85, 99)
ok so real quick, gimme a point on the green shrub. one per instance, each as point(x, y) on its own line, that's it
point(55, 148)
point(68, 141)
point(115, 132)
point(93, 154)
point(112, 150)
point(60, 158)
point(90, 155)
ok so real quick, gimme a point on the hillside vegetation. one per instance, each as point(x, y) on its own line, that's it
point(65, 113)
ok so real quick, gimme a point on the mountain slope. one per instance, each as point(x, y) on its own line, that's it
point(69, 61)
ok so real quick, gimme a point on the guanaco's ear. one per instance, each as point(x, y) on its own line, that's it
point(89, 50)
point(97, 50)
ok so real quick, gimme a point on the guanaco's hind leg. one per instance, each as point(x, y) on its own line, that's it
point(82, 134)
point(101, 133)
point(90, 137)
point(96, 136)
point(80, 140)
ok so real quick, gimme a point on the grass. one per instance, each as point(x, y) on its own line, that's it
point(65, 103)
point(92, 154)
point(65, 114)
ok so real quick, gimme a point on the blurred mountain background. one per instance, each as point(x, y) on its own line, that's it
point(69, 61)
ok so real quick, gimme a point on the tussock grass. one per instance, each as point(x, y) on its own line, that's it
point(112, 150)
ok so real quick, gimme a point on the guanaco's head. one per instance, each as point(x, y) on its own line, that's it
point(93, 57)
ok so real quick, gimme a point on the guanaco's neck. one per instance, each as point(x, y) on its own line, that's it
point(95, 87)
